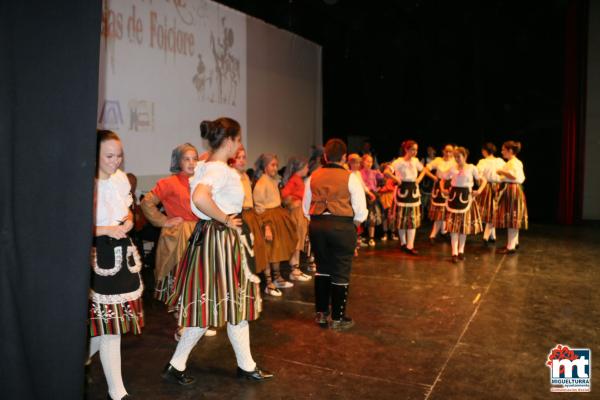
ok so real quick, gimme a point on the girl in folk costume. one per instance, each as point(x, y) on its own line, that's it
point(427, 183)
point(386, 197)
point(116, 290)
point(407, 197)
point(178, 223)
point(280, 232)
point(437, 206)
point(371, 177)
point(462, 213)
point(512, 205)
point(249, 215)
point(213, 283)
point(354, 162)
point(487, 168)
point(292, 194)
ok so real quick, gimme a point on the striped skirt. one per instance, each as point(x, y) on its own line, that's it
point(211, 282)
point(466, 223)
point(252, 219)
point(511, 207)
point(116, 319)
point(436, 213)
point(284, 242)
point(407, 217)
point(386, 199)
point(487, 205)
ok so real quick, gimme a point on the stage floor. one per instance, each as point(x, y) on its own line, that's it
point(425, 328)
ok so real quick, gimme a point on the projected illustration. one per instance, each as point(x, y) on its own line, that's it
point(220, 83)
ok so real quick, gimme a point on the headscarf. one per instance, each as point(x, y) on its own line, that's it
point(261, 163)
point(294, 165)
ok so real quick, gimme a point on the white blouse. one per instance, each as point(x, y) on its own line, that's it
point(515, 168)
point(464, 177)
point(227, 189)
point(112, 199)
point(441, 166)
point(488, 167)
point(407, 171)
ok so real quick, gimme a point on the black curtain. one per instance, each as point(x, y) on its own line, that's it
point(48, 102)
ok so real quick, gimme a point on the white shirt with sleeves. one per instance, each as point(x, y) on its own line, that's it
point(357, 198)
point(227, 190)
point(515, 168)
point(488, 167)
point(465, 177)
point(112, 199)
point(407, 171)
point(441, 166)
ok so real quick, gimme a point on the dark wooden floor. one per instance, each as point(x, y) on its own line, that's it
point(425, 328)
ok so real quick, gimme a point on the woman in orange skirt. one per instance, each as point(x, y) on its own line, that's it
point(292, 194)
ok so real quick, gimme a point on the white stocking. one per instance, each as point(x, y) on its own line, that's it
point(410, 238)
point(487, 233)
point(402, 234)
point(462, 239)
point(454, 243)
point(110, 356)
point(187, 342)
point(239, 336)
point(513, 238)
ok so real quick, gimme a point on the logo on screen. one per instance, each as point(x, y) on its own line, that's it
point(570, 369)
point(111, 116)
point(141, 115)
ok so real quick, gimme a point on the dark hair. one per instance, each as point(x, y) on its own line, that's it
point(407, 144)
point(513, 145)
point(218, 130)
point(489, 147)
point(462, 150)
point(103, 136)
point(335, 150)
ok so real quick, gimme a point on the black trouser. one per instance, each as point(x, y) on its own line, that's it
point(333, 240)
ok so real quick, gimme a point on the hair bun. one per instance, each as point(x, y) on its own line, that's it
point(205, 128)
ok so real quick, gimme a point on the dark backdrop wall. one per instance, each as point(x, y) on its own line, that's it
point(48, 96)
point(463, 71)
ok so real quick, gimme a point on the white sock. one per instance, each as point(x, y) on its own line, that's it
point(187, 342)
point(513, 238)
point(493, 235)
point(239, 336)
point(454, 243)
point(443, 230)
point(402, 234)
point(410, 238)
point(462, 239)
point(487, 233)
point(94, 345)
point(437, 225)
point(110, 356)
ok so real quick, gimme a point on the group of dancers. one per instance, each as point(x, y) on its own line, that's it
point(221, 228)
point(450, 199)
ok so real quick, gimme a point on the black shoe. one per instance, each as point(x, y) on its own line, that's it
point(517, 246)
point(455, 259)
point(432, 240)
point(321, 319)
point(171, 374)
point(412, 252)
point(506, 251)
point(461, 256)
point(403, 247)
point(342, 324)
point(492, 240)
point(126, 397)
point(256, 375)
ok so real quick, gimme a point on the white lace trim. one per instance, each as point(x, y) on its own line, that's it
point(133, 251)
point(117, 298)
point(460, 199)
point(107, 271)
